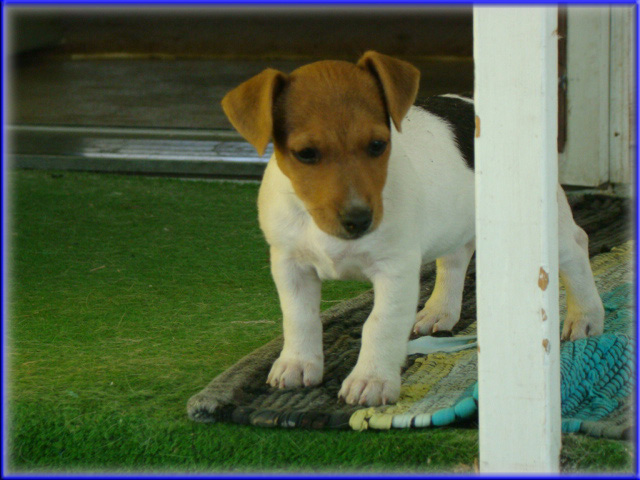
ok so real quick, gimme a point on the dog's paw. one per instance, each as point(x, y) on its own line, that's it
point(288, 371)
point(361, 388)
point(580, 325)
point(434, 318)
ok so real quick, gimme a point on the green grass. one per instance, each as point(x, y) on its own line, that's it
point(128, 295)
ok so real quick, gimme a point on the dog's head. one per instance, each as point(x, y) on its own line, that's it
point(331, 132)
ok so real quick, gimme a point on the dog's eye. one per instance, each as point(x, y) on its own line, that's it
point(377, 148)
point(308, 155)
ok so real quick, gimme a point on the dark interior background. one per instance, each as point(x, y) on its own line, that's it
point(169, 68)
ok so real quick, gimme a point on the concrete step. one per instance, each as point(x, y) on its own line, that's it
point(175, 152)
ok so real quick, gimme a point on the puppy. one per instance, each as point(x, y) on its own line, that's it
point(365, 185)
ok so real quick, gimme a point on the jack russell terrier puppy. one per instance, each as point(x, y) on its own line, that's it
point(363, 184)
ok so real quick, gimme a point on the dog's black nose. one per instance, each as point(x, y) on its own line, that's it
point(356, 221)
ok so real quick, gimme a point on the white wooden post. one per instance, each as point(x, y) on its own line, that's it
point(515, 51)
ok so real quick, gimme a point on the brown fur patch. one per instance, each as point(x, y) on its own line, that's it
point(337, 109)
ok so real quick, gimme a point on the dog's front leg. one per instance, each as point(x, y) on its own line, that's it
point(299, 289)
point(375, 379)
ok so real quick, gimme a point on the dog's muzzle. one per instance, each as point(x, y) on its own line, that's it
point(356, 222)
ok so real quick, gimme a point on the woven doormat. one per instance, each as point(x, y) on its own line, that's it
point(439, 387)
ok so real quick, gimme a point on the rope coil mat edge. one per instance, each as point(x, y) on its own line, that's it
point(440, 388)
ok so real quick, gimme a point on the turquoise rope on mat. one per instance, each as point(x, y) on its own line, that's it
point(597, 373)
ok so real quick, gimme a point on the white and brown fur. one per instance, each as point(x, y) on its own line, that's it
point(349, 211)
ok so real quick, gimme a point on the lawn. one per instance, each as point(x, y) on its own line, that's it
point(127, 295)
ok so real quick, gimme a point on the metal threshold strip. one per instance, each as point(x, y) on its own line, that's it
point(179, 152)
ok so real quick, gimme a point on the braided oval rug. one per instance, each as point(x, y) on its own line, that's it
point(439, 380)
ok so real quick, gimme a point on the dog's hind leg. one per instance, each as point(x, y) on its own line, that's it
point(442, 310)
point(585, 313)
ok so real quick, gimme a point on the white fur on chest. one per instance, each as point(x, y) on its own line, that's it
point(428, 207)
point(337, 260)
point(291, 229)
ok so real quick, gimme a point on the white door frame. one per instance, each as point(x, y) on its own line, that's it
point(600, 96)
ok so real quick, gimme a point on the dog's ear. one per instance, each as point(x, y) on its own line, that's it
point(249, 107)
point(399, 80)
